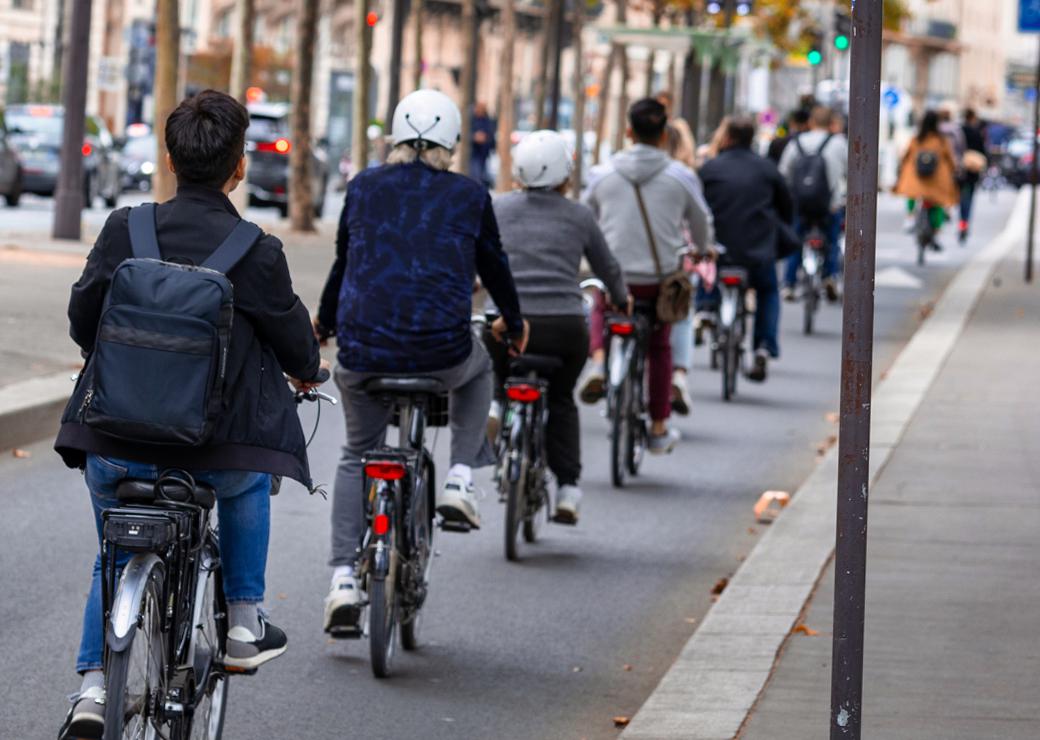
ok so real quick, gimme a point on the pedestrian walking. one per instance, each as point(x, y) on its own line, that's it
point(973, 164)
point(483, 143)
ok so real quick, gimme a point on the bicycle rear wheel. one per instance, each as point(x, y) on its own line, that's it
point(207, 721)
point(135, 676)
point(422, 549)
point(382, 610)
point(728, 355)
point(515, 494)
point(810, 300)
point(619, 423)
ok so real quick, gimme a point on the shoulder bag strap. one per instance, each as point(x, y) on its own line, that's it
point(143, 242)
point(234, 247)
point(649, 231)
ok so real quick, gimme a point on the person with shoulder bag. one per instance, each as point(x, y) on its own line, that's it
point(643, 199)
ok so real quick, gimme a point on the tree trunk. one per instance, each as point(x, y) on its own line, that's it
point(558, 19)
point(506, 100)
point(469, 75)
point(417, 12)
point(541, 80)
point(400, 10)
point(301, 193)
point(622, 109)
point(579, 99)
point(691, 85)
point(68, 201)
point(242, 55)
point(717, 81)
point(362, 78)
point(167, 58)
point(651, 61)
point(604, 101)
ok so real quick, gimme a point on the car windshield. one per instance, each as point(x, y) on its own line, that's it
point(47, 126)
point(141, 147)
point(265, 128)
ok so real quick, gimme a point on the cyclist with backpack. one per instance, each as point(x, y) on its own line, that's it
point(412, 238)
point(180, 375)
point(927, 173)
point(815, 164)
point(546, 235)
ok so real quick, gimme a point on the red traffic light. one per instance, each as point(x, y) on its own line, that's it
point(372, 18)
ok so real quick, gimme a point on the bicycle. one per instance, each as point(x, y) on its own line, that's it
point(814, 251)
point(397, 548)
point(924, 231)
point(166, 618)
point(732, 326)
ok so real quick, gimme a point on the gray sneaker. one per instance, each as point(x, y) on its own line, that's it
point(662, 444)
point(568, 504)
point(247, 651)
point(86, 719)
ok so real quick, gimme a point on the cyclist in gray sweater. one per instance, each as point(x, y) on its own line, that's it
point(546, 236)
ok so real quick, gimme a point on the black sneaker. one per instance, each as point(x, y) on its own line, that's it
point(86, 719)
point(758, 371)
point(246, 651)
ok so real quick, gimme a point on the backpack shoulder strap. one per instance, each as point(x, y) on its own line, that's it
point(143, 242)
point(823, 146)
point(234, 247)
point(797, 141)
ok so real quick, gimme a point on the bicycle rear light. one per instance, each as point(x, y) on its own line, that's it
point(385, 470)
point(732, 280)
point(381, 524)
point(523, 393)
point(622, 329)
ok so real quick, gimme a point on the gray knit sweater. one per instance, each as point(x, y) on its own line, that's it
point(545, 236)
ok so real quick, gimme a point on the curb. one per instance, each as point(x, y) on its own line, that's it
point(713, 685)
point(31, 410)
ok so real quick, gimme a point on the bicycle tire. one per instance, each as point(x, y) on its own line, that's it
point(618, 433)
point(422, 547)
point(213, 705)
point(530, 526)
point(725, 339)
point(810, 302)
point(514, 495)
point(146, 639)
point(382, 625)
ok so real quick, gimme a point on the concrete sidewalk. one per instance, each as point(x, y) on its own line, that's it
point(953, 597)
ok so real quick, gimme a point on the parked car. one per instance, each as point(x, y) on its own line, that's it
point(10, 169)
point(137, 163)
point(36, 132)
point(268, 144)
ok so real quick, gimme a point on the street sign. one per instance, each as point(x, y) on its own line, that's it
point(891, 97)
point(1029, 16)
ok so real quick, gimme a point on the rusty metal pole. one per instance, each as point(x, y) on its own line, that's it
point(856, 363)
point(1033, 174)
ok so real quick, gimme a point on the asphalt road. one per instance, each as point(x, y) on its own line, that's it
point(555, 646)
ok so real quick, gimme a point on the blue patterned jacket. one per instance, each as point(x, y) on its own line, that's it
point(410, 240)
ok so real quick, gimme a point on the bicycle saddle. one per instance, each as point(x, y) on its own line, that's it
point(403, 385)
point(133, 491)
point(534, 363)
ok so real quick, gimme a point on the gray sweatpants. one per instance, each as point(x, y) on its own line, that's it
point(470, 384)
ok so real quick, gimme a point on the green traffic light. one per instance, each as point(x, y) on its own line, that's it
point(841, 42)
point(815, 57)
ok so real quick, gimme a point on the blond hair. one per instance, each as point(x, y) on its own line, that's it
point(436, 156)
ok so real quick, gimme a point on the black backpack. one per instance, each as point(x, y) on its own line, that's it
point(927, 163)
point(809, 185)
point(158, 365)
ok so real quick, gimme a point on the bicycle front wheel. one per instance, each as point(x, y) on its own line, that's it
point(135, 676)
point(810, 300)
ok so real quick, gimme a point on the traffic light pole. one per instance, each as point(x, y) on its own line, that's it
point(856, 366)
point(68, 201)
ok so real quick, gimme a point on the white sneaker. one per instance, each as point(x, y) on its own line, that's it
point(662, 444)
point(568, 504)
point(344, 604)
point(457, 502)
point(681, 401)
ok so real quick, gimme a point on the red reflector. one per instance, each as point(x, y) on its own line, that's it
point(732, 280)
point(622, 330)
point(385, 470)
point(523, 393)
point(87, 149)
point(381, 524)
point(279, 146)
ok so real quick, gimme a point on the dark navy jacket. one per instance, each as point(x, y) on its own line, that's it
point(410, 240)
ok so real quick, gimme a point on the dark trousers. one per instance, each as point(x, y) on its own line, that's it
point(967, 198)
point(567, 338)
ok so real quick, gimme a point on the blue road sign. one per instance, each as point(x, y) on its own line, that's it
point(890, 98)
point(1029, 16)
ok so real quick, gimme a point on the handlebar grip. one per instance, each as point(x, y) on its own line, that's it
point(322, 375)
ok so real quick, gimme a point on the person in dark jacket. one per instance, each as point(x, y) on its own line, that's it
point(412, 238)
point(797, 123)
point(973, 165)
point(483, 133)
point(753, 212)
point(257, 435)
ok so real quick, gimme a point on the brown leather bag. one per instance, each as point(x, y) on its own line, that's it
point(675, 288)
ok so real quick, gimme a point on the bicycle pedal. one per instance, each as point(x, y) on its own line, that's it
point(354, 632)
point(238, 671)
point(454, 526)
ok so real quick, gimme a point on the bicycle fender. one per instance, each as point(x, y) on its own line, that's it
point(126, 607)
point(620, 355)
point(728, 309)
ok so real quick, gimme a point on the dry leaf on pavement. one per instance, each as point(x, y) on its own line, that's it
point(626, 667)
point(832, 417)
point(621, 721)
point(20, 453)
point(805, 630)
point(720, 586)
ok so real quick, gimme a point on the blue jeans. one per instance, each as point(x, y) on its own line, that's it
point(767, 316)
point(831, 260)
point(244, 516)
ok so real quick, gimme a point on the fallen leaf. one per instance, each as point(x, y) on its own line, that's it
point(690, 620)
point(626, 667)
point(282, 597)
point(822, 447)
point(622, 721)
point(20, 453)
point(752, 530)
point(768, 506)
point(805, 630)
point(832, 417)
point(741, 558)
point(1020, 313)
point(925, 309)
point(720, 586)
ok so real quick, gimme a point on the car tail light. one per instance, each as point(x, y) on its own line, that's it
point(523, 392)
point(622, 329)
point(381, 524)
point(385, 470)
point(732, 280)
point(278, 146)
point(87, 149)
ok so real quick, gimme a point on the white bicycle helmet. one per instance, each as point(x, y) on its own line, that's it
point(542, 159)
point(425, 118)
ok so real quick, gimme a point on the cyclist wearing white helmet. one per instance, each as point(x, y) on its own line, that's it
point(412, 236)
point(546, 235)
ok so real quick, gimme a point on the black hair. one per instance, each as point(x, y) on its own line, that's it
point(206, 138)
point(929, 125)
point(800, 116)
point(740, 131)
point(648, 119)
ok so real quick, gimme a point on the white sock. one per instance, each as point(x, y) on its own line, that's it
point(462, 471)
point(244, 614)
point(342, 571)
point(92, 679)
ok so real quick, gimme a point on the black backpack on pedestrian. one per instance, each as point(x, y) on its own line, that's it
point(160, 356)
point(809, 185)
point(926, 164)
